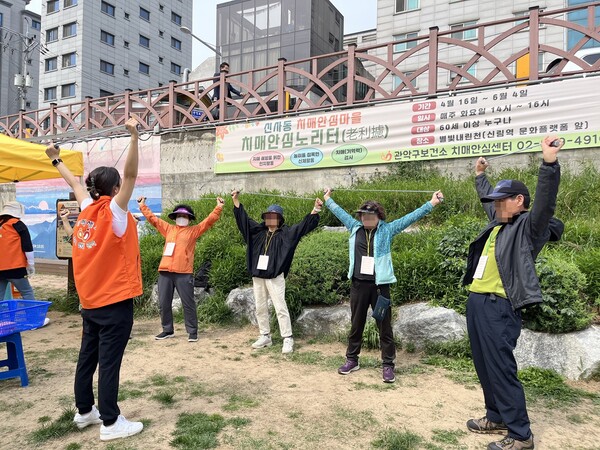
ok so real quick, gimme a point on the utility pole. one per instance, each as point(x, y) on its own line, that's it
point(23, 80)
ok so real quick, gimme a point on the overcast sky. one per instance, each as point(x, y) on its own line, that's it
point(358, 15)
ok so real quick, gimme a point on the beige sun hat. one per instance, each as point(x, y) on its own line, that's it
point(14, 209)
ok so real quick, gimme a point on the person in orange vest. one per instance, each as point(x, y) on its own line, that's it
point(16, 242)
point(176, 268)
point(107, 272)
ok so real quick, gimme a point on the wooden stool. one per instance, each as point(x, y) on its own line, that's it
point(16, 359)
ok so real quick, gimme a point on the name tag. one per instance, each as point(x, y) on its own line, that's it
point(480, 267)
point(263, 262)
point(169, 249)
point(367, 265)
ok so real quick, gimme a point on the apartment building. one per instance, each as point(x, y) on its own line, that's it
point(100, 48)
point(19, 57)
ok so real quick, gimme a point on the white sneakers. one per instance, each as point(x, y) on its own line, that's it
point(84, 420)
point(288, 345)
point(263, 341)
point(120, 429)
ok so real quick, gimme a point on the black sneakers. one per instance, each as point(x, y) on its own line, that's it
point(164, 335)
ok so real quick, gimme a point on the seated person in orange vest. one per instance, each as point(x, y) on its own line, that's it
point(108, 275)
point(176, 269)
point(15, 242)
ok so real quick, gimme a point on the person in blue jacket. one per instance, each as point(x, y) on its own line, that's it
point(371, 272)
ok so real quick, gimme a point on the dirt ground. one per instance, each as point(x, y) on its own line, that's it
point(297, 402)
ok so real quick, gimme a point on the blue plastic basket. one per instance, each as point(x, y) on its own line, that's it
point(21, 315)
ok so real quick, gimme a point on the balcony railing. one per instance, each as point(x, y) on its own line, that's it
point(439, 63)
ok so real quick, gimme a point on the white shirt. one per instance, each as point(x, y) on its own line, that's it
point(119, 222)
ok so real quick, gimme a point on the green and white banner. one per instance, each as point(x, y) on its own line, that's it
point(485, 123)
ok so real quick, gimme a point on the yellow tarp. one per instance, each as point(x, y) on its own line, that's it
point(26, 161)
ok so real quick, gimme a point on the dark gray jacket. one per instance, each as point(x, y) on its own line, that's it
point(518, 243)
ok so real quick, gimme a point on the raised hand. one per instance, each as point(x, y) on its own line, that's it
point(551, 145)
point(480, 165)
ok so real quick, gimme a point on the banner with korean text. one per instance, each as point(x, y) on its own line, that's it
point(486, 123)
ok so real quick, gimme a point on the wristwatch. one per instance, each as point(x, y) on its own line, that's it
point(56, 161)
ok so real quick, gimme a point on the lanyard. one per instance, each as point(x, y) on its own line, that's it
point(268, 241)
point(368, 235)
point(491, 239)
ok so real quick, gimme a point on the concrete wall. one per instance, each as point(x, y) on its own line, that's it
point(187, 162)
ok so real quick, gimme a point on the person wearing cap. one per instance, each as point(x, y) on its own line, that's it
point(502, 278)
point(270, 248)
point(176, 268)
point(16, 242)
point(371, 272)
point(108, 275)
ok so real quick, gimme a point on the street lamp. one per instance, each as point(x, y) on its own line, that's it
point(186, 30)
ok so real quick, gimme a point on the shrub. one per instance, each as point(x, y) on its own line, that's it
point(564, 309)
point(319, 271)
point(588, 263)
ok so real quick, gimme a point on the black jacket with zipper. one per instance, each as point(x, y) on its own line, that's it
point(281, 247)
point(519, 242)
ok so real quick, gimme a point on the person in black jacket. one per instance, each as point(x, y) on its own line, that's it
point(229, 89)
point(501, 272)
point(270, 250)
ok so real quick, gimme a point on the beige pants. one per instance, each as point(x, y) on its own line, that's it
point(275, 289)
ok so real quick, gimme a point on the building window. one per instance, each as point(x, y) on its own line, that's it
point(175, 68)
point(52, 35)
point(144, 68)
point(126, 72)
point(402, 47)
point(176, 18)
point(107, 67)
point(144, 14)
point(69, 60)
point(175, 43)
point(50, 93)
point(160, 59)
point(35, 24)
point(107, 8)
point(465, 35)
point(51, 6)
point(406, 5)
point(144, 41)
point(471, 71)
point(2, 19)
point(126, 16)
point(104, 93)
point(161, 33)
point(161, 8)
point(67, 90)
point(397, 81)
point(107, 38)
point(69, 30)
point(126, 44)
point(51, 64)
point(69, 3)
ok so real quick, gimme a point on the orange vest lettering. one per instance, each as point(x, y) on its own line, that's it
point(10, 247)
point(106, 268)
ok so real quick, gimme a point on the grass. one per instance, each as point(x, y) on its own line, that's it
point(379, 387)
point(59, 428)
point(197, 431)
point(543, 385)
point(448, 437)
point(390, 439)
point(237, 402)
point(165, 398)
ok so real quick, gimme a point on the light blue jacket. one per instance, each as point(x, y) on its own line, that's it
point(384, 271)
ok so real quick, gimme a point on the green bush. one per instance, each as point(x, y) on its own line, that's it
point(588, 263)
point(319, 271)
point(564, 309)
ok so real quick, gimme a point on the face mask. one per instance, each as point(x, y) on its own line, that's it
point(182, 221)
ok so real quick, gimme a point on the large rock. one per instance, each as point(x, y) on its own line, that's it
point(420, 323)
point(200, 294)
point(325, 320)
point(573, 355)
point(241, 303)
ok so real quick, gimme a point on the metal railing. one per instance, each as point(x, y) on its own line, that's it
point(439, 63)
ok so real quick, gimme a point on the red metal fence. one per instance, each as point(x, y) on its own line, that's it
point(428, 67)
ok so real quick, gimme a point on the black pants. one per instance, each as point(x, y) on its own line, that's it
point(493, 329)
point(362, 295)
point(184, 283)
point(106, 332)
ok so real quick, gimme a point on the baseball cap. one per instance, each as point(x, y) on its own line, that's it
point(505, 189)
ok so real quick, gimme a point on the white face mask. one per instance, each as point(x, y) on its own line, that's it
point(182, 221)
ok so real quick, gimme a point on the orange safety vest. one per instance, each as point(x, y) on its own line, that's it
point(10, 247)
point(106, 268)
